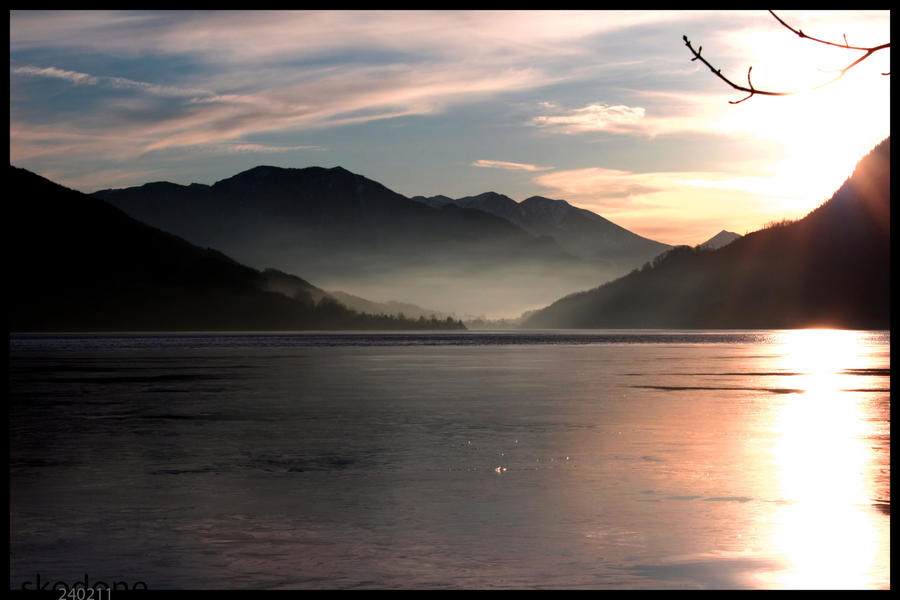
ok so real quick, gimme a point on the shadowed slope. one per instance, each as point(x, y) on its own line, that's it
point(80, 264)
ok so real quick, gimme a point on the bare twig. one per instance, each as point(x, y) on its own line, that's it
point(752, 91)
point(800, 33)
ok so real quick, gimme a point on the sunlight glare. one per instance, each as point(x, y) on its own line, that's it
point(821, 131)
point(824, 524)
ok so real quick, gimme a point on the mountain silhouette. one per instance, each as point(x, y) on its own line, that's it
point(829, 269)
point(578, 231)
point(259, 211)
point(721, 239)
point(81, 264)
point(345, 231)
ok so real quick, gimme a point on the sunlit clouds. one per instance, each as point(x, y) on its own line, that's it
point(652, 203)
point(593, 117)
point(509, 166)
point(415, 99)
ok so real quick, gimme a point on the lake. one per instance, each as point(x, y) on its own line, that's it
point(554, 459)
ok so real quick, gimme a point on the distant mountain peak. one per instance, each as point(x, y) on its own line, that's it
point(492, 202)
point(265, 170)
point(433, 201)
point(485, 197)
point(294, 180)
point(556, 211)
point(578, 231)
point(542, 200)
point(720, 240)
point(259, 171)
point(159, 185)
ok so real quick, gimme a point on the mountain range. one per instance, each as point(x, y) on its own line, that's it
point(482, 255)
point(829, 269)
point(578, 231)
point(80, 264)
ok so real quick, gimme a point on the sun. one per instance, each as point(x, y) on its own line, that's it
point(824, 135)
point(819, 133)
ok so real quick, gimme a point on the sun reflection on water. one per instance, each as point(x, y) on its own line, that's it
point(824, 525)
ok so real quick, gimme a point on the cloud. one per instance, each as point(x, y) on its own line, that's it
point(265, 148)
point(593, 117)
point(264, 37)
point(71, 76)
point(671, 113)
point(511, 166)
point(121, 83)
point(270, 71)
point(612, 189)
point(606, 188)
point(679, 207)
point(328, 98)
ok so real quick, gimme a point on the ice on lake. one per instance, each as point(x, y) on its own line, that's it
point(627, 459)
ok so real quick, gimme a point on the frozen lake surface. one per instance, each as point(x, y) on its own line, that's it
point(587, 459)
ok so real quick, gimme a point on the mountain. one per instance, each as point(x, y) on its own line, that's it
point(831, 268)
point(578, 231)
point(347, 232)
point(80, 264)
point(433, 201)
point(723, 238)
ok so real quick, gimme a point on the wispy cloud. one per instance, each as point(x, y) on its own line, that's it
point(267, 148)
point(198, 116)
point(111, 82)
point(510, 166)
point(593, 117)
point(71, 76)
point(266, 37)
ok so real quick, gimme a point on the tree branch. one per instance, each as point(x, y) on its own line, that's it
point(800, 33)
point(752, 91)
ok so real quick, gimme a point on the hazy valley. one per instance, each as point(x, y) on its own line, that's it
point(433, 260)
point(346, 232)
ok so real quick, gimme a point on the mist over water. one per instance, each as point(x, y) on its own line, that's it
point(556, 459)
point(450, 282)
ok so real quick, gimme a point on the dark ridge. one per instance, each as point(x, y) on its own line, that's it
point(84, 265)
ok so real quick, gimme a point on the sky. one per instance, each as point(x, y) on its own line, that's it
point(605, 110)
